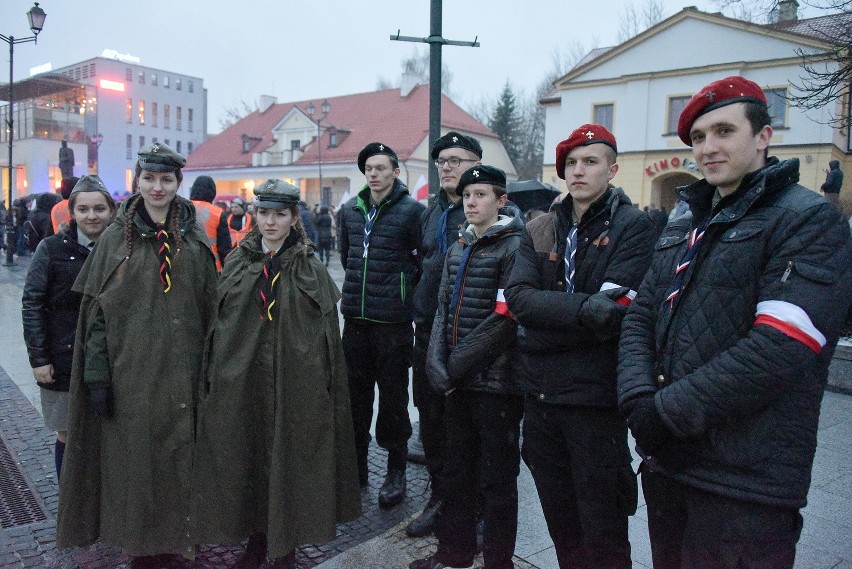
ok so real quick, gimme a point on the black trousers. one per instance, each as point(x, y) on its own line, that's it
point(482, 462)
point(580, 461)
point(379, 354)
point(430, 405)
point(693, 529)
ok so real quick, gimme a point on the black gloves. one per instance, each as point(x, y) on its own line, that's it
point(601, 314)
point(101, 399)
point(647, 426)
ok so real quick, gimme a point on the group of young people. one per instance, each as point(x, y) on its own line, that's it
point(209, 409)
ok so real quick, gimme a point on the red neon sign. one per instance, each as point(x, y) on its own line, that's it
point(112, 85)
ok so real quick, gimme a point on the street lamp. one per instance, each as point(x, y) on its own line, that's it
point(311, 109)
point(36, 18)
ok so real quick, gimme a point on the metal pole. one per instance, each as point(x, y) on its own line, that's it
point(10, 226)
point(434, 88)
point(319, 156)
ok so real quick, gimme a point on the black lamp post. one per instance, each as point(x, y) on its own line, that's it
point(311, 109)
point(36, 17)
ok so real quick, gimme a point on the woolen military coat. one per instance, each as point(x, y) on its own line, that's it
point(126, 480)
point(275, 451)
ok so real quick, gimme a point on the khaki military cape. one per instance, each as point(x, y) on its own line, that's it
point(275, 449)
point(126, 479)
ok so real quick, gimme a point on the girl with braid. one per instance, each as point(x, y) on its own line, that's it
point(147, 289)
point(275, 454)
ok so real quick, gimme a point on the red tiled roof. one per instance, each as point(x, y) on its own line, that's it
point(400, 122)
point(829, 28)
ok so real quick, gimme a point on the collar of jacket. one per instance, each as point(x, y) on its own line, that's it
point(185, 209)
point(767, 181)
point(363, 201)
point(293, 245)
point(508, 222)
point(608, 201)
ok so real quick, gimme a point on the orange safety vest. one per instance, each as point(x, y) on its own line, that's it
point(208, 216)
point(238, 235)
point(60, 214)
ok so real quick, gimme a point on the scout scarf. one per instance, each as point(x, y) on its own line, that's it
point(368, 227)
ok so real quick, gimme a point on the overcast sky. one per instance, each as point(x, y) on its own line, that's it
point(318, 48)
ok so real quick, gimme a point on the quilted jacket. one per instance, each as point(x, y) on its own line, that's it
point(472, 343)
point(378, 284)
point(737, 363)
point(561, 361)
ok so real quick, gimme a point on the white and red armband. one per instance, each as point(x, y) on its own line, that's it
point(791, 321)
point(500, 306)
point(622, 300)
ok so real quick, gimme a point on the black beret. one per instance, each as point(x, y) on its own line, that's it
point(158, 157)
point(455, 139)
point(371, 150)
point(481, 174)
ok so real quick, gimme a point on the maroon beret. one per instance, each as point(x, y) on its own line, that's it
point(583, 136)
point(733, 89)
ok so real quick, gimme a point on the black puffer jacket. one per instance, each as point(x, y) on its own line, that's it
point(834, 178)
point(378, 286)
point(472, 343)
point(50, 307)
point(562, 361)
point(741, 397)
point(426, 293)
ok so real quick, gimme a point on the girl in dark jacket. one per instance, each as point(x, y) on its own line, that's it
point(275, 453)
point(50, 307)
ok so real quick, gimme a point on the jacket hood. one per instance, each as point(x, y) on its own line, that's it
point(509, 221)
point(203, 189)
point(399, 190)
point(834, 164)
point(46, 201)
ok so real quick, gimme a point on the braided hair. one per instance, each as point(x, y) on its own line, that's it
point(172, 218)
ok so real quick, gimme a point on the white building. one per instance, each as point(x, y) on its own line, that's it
point(106, 108)
point(638, 88)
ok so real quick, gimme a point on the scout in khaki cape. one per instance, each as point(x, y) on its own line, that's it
point(147, 292)
point(275, 453)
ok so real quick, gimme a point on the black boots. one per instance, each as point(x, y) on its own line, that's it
point(255, 555)
point(424, 524)
point(393, 490)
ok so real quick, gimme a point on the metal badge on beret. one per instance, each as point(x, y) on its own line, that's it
point(733, 89)
point(455, 139)
point(482, 174)
point(89, 183)
point(275, 194)
point(158, 157)
point(371, 150)
point(582, 136)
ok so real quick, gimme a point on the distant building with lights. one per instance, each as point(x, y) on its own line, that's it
point(106, 108)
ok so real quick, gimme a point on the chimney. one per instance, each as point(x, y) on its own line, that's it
point(265, 102)
point(786, 11)
point(407, 84)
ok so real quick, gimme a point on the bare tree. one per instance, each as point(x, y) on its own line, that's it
point(636, 19)
point(236, 112)
point(417, 64)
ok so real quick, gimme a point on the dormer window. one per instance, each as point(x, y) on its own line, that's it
point(250, 142)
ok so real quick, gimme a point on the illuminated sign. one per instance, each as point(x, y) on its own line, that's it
point(125, 57)
point(112, 85)
point(43, 68)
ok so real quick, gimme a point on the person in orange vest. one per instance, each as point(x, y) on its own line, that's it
point(239, 221)
point(60, 213)
point(211, 218)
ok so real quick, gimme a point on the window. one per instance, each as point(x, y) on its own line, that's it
point(166, 117)
point(189, 120)
point(141, 141)
point(177, 146)
point(776, 100)
point(295, 144)
point(128, 151)
point(128, 74)
point(141, 111)
point(188, 148)
point(92, 70)
point(676, 106)
point(178, 125)
point(141, 77)
point(153, 139)
point(177, 84)
point(166, 142)
point(190, 86)
point(154, 114)
point(603, 114)
point(77, 73)
point(128, 110)
point(154, 79)
point(166, 81)
point(85, 72)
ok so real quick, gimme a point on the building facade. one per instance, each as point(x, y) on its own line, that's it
point(105, 108)
point(638, 89)
point(289, 142)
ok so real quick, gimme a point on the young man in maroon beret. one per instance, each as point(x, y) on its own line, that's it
point(724, 352)
point(574, 275)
